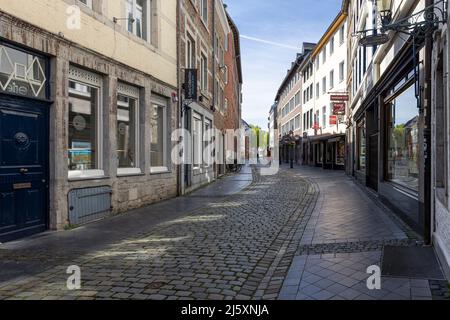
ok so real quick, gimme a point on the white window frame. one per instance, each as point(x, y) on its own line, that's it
point(341, 71)
point(332, 46)
point(94, 80)
point(331, 79)
point(161, 102)
point(341, 35)
point(204, 72)
point(203, 14)
point(205, 144)
point(225, 71)
point(190, 51)
point(324, 85)
point(133, 93)
point(197, 117)
point(87, 3)
point(147, 20)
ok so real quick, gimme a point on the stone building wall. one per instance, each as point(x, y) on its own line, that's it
point(127, 192)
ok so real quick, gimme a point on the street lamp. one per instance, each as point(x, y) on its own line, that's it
point(417, 25)
point(384, 7)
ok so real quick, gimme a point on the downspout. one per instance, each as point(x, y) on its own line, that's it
point(213, 35)
point(427, 133)
point(180, 179)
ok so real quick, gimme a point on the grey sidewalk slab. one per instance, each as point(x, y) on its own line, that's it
point(347, 221)
point(344, 213)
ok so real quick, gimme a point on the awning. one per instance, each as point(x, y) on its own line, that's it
point(327, 137)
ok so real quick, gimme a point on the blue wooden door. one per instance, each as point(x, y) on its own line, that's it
point(23, 167)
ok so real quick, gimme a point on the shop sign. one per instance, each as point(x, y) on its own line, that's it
point(339, 108)
point(316, 126)
point(333, 120)
point(22, 73)
point(339, 97)
point(190, 84)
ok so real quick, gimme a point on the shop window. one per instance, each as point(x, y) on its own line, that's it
point(319, 147)
point(208, 139)
point(340, 153)
point(403, 140)
point(441, 133)
point(329, 153)
point(85, 125)
point(127, 129)
point(197, 134)
point(361, 140)
point(159, 124)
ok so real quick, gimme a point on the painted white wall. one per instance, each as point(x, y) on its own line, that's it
point(99, 33)
point(322, 98)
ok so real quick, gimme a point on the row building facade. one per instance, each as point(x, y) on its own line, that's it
point(89, 99)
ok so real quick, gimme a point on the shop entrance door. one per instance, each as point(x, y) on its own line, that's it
point(23, 167)
point(372, 181)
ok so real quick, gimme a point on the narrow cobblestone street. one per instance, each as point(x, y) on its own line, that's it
point(301, 234)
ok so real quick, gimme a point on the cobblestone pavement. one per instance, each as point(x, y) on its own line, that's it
point(344, 236)
point(237, 247)
point(301, 234)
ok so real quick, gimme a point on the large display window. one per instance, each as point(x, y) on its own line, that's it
point(403, 139)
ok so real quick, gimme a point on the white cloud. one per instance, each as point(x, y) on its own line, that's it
point(270, 42)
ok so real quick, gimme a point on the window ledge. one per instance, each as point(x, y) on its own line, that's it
point(125, 172)
point(159, 170)
point(86, 175)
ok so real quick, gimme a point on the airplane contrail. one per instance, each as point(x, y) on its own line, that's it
point(270, 42)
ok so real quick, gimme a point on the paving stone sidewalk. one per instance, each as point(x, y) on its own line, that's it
point(344, 236)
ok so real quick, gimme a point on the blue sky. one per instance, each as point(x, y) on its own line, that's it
point(285, 22)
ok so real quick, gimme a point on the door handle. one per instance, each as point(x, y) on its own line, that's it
point(23, 171)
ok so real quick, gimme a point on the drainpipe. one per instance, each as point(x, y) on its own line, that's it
point(180, 180)
point(427, 134)
point(213, 36)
